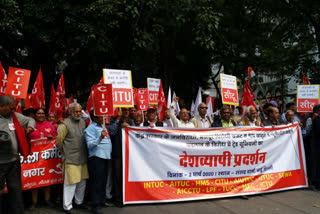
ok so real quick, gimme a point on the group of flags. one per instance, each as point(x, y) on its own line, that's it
point(36, 99)
point(59, 103)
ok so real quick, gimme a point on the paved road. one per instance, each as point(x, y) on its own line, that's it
point(286, 202)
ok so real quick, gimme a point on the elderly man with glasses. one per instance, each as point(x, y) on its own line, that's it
point(201, 120)
point(184, 116)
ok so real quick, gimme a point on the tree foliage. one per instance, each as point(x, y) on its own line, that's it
point(178, 41)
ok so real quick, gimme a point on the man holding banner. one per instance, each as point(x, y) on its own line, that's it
point(12, 141)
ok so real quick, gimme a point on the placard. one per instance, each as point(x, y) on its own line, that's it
point(153, 88)
point(141, 99)
point(18, 82)
point(229, 89)
point(307, 97)
point(122, 86)
point(102, 100)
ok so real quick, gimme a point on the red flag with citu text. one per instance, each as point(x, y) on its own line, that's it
point(247, 97)
point(52, 106)
point(18, 82)
point(141, 98)
point(3, 80)
point(38, 97)
point(162, 103)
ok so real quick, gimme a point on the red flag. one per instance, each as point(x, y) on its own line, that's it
point(305, 80)
point(38, 97)
point(162, 103)
point(18, 82)
point(102, 100)
point(71, 99)
point(101, 81)
point(61, 91)
point(3, 80)
point(141, 98)
point(27, 102)
point(18, 107)
point(52, 107)
point(89, 106)
point(247, 97)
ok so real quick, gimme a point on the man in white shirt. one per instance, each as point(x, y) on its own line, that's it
point(184, 116)
point(201, 121)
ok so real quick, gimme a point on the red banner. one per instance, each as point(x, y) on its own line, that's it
point(141, 98)
point(230, 96)
point(153, 97)
point(18, 82)
point(102, 100)
point(43, 167)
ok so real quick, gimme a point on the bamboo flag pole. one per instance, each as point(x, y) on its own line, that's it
point(104, 123)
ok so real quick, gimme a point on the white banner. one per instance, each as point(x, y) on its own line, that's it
point(237, 161)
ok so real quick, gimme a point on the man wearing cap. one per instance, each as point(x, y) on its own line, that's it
point(151, 119)
point(201, 120)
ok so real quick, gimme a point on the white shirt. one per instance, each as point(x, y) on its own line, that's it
point(167, 123)
point(153, 124)
point(178, 123)
point(204, 122)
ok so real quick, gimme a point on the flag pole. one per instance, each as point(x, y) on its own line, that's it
point(104, 123)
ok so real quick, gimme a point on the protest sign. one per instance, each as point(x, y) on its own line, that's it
point(18, 82)
point(102, 100)
point(229, 89)
point(189, 164)
point(43, 167)
point(307, 97)
point(141, 99)
point(153, 87)
point(122, 86)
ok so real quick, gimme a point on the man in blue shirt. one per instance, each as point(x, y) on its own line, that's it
point(99, 162)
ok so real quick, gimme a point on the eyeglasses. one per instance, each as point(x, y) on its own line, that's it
point(203, 107)
point(184, 112)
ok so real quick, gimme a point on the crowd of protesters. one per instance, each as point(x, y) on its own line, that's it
point(92, 151)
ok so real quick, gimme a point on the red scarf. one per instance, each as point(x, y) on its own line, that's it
point(21, 137)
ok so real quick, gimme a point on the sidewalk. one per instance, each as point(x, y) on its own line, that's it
point(292, 201)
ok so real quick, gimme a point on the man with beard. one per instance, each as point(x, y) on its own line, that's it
point(72, 143)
